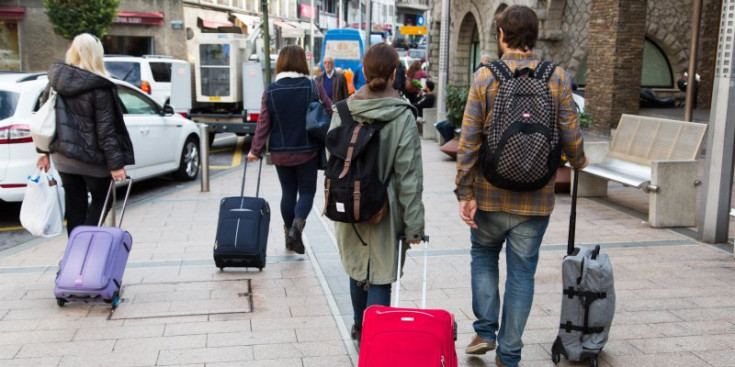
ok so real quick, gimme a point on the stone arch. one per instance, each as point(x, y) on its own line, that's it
point(460, 47)
point(676, 52)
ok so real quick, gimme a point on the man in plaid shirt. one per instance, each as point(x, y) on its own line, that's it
point(496, 215)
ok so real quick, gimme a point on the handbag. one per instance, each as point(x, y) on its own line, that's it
point(42, 211)
point(43, 123)
point(317, 119)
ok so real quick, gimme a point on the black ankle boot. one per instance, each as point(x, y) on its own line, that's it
point(356, 333)
point(289, 239)
point(295, 233)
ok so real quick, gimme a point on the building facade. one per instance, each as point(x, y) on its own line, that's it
point(564, 37)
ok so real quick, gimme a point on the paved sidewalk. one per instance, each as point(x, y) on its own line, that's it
point(676, 304)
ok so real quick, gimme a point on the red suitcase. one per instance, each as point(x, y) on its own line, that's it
point(408, 337)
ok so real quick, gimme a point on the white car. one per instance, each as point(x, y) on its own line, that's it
point(163, 141)
point(150, 73)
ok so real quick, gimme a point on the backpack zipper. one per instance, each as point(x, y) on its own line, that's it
point(443, 362)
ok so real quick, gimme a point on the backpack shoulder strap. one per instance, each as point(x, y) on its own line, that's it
point(544, 71)
point(344, 112)
point(500, 70)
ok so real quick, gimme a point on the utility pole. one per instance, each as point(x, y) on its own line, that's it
point(691, 78)
point(443, 62)
point(312, 14)
point(369, 23)
point(266, 42)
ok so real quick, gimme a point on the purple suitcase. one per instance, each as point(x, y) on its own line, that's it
point(94, 262)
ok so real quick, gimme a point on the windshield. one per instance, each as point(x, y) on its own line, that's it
point(343, 49)
point(8, 103)
point(416, 54)
point(125, 70)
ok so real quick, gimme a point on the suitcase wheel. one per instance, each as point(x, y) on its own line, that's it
point(115, 300)
point(261, 269)
point(221, 268)
point(61, 302)
point(593, 362)
point(556, 357)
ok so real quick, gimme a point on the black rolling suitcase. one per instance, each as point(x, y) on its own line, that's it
point(588, 301)
point(242, 229)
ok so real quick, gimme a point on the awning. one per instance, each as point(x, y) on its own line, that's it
point(306, 26)
point(213, 24)
point(139, 17)
point(249, 21)
point(287, 30)
point(12, 12)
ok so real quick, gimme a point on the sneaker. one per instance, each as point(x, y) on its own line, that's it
point(497, 361)
point(479, 346)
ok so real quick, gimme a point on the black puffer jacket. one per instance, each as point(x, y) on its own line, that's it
point(89, 119)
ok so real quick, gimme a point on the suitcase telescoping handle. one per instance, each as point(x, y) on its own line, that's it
point(401, 240)
point(111, 192)
point(244, 173)
point(573, 214)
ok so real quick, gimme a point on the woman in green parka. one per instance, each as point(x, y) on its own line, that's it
point(372, 268)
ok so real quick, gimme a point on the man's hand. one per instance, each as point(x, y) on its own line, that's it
point(43, 162)
point(414, 241)
point(467, 209)
point(252, 157)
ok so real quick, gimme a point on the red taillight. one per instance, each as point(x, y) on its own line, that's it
point(145, 87)
point(253, 116)
point(15, 134)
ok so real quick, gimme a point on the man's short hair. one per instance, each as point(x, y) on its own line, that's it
point(520, 27)
point(430, 85)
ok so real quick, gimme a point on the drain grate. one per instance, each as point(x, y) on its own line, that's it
point(170, 299)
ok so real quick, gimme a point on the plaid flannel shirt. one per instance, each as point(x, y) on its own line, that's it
point(471, 184)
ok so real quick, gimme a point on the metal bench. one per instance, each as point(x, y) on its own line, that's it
point(653, 154)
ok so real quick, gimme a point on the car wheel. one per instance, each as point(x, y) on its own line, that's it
point(189, 163)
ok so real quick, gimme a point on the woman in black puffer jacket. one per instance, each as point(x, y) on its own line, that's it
point(92, 143)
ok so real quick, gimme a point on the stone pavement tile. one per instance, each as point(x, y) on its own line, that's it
point(210, 327)
point(251, 338)
point(139, 358)
point(239, 354)
point(317, 334)
point(684, 359)
point(292, 362)
point(32, 362)
point(679, 344)
point(718, 358)
point(645, 317)
point(721, 313)
point(693, 328)
point(327, 361)
point(81, 348)
point(120, 332)
point(292, 323)
point(160, 343)
point(310, 310)
point(70, 312)
point(9, 351)
point(166, 320)
point(24, 337)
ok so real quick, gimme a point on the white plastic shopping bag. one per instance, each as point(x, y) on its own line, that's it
point(42, 211)
point(43, 123)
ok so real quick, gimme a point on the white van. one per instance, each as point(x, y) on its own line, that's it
point(150, 73)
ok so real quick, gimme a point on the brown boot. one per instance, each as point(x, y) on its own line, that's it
point(295, 233)
point(289, 239)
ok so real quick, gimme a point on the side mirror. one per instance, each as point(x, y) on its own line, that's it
point(168, 110)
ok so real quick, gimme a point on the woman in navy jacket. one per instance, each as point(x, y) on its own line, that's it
point(295, 154)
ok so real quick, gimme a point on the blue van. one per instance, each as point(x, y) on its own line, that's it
point(347, 47)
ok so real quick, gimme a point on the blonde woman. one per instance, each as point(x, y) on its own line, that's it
point(92, 143)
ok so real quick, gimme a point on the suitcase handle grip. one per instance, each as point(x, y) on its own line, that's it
point(401, 240)
point(244, 173)
point(573, 213)
point(111, 192)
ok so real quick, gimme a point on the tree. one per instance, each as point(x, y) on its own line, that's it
point(73, 17)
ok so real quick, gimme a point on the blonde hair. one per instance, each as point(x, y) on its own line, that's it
point(86, 53)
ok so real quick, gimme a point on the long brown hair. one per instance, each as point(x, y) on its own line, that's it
point(292, 58)
point(380, 62)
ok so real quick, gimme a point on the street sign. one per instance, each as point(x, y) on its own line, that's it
point(413, 30)
point(420, 20)
point(308, 56)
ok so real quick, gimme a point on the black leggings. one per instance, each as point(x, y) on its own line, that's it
point(78, 209)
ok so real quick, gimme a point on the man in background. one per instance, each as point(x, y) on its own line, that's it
point(333, 81)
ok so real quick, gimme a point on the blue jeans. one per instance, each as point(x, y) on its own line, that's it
point(362, 299)
point(523, 235)
point(297, 181)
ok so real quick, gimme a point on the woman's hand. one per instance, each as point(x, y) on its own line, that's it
point(252, 157)
point(43, 162)
point(118, 174)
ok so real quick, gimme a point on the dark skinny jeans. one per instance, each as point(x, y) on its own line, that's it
point(78, 209)
point(362, 299)
point(298, 186)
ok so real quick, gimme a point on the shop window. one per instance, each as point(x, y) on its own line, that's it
point(656, 68)
point(125, 45)
point(9, 50)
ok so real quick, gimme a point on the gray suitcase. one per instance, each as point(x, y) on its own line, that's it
point(588, 303)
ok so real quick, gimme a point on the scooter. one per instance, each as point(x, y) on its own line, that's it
point(648, 99)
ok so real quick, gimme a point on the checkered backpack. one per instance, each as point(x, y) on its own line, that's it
point(521, 150)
